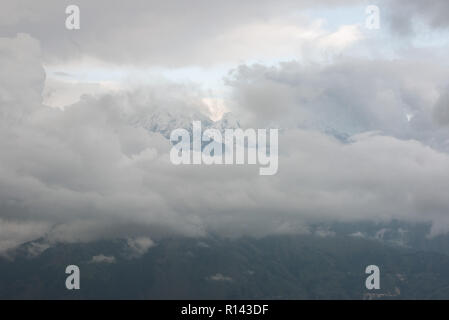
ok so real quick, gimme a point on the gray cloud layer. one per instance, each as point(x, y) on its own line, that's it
point(89, 172)
point(147, 29)
point(178, 33)
point(362, 139)
point(404, 14)
point(403, 98)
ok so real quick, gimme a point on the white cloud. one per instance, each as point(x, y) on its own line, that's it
point(219, 277)
point(324, 232)
point(101, 258)
point(14, 233)
point(139, 246)
point(358, 234)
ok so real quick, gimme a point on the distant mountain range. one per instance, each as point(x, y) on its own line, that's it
point(164, 122)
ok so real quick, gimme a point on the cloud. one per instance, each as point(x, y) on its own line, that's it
point(403, 14)
point(358, 234)
point(139, 246)
point(324, 232)
point(219, 277)
point(346, 97)
point(205, 33)
point(441, 109)
point(20, 61)
point(203, 244)
point(172, 33)
point(13, 233)
point(101, 258)
point(98, 170)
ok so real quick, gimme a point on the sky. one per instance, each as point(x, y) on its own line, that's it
point(363, 115)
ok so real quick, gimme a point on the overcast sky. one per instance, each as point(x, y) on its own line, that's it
point(364, 115)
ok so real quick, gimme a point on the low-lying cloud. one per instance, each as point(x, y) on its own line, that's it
point(90, 171)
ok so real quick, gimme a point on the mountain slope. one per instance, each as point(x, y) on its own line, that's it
point(281, 267)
